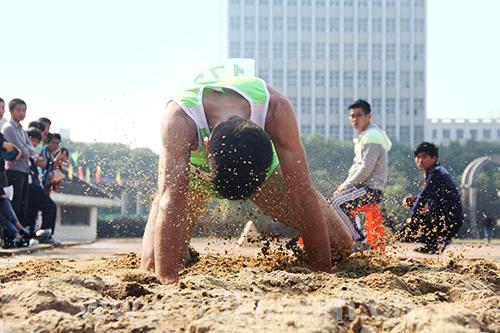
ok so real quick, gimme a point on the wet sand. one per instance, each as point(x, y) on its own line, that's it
point(234, 289)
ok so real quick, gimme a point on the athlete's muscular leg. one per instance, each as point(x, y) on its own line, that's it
point(274, 200)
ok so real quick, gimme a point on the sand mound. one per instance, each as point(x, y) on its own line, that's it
point(273, 293)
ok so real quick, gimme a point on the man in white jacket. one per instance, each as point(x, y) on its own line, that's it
point(368, 174)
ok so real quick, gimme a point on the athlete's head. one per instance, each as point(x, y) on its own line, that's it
point(426, 155)
point(239, 154)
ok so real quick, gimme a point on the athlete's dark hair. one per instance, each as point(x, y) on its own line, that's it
point(361, 103)
point(240, 154)
point(15, 102)
point(427, 148)
point(1, 100)
point(45, 120)
point(35, 133)
point(37, 124)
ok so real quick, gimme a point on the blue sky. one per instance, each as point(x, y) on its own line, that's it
point(105, 69)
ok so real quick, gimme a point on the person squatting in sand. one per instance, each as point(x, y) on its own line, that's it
point(235, 138)
point(436, 211)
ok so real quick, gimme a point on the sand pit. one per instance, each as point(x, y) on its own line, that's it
point(272, 293)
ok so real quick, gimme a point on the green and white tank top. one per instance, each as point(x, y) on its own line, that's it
point(251, 88)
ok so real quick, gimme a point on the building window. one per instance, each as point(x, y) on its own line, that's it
point(405, 3)
point(305, 77)
point(362, 78)
point(277, 23)
point(306, 104)
point(264, 23)
point(419, 52)
point(334, 78)
point(334, 3)
point(320, 105)
point(264, 74)
point(405, 79)
point(306, 50)
point(249, 23)
point(419, 25)
point(278, 50)
point(292, 24)
point(390, 52)
point(390, 25)
point(75, 215)
point(348, 3)
point(249, 50)
point(362, 3)
point(264, 2)
point(305, 129)
point(419, 3)
point(419, 79)
point(292, 50)
point(391, 131)
point(377, 51)
point(348, 51)
point(473, 135)
point(278, 77)
point(377, 25)
point(334, 51)
point(362, 24)
point(404, 106)
point(334, 132)
point(446, 134)
point(278, 2)
point(419, 105)
point(320, 3)
point(376, 106)
point(334, 24)
point(434, 134)
point(363, 51)
point(292, 3)
point(348, 79)
point(263, 50)
point(306, 3)
point(234, 50)
point(348, 133)
point(460, 134)
point(405, 51)
point(234, 23)
point(306, 24)
point(498, 134)
point(348, 24)
point(235, 2)
point(377, 78)
point(334, 105)
point(292, 78)
point(377, 3)
point(320, 51)
point(405, 25)
point(390, 79)
point(390, 105)
point(320, 78)
point(320, 24)
point(404, 134)
point(487, 134)
point(321, 129)
point(347, 102)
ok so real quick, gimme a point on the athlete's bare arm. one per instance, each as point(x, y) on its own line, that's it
point(170, 237)
point(281, 126)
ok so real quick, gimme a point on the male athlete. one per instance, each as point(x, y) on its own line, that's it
point(234, 138)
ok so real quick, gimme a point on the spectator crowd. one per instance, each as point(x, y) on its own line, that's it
point(32, 164)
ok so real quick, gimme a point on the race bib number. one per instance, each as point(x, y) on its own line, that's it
point(230, 68)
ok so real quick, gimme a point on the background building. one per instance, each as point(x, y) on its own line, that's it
point(443, 131)
point(323, 54)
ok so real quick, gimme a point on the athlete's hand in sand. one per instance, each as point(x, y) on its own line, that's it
point(408, 201)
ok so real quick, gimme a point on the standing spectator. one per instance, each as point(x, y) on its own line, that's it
point(2, 112)
point(487, 223)
point(47, 123)
point(436, 211)
point(17, 170)
point(368, 174)
point(39, 200)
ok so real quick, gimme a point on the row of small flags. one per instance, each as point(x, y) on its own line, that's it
point(85, 175)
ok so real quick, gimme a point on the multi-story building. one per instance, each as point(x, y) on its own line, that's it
point(444, 131)
point(323, 54)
